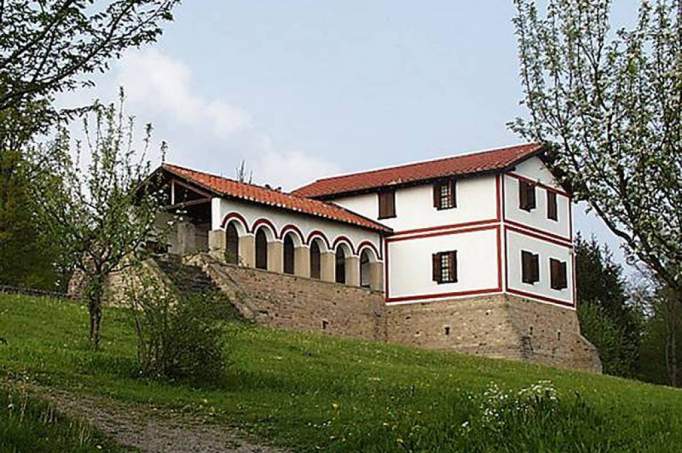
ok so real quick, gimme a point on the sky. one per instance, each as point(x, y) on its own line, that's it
point(305, 89)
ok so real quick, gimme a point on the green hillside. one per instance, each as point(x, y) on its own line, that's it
point(310, 392)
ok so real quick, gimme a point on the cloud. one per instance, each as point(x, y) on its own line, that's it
point(203, 132)
point(164, 86)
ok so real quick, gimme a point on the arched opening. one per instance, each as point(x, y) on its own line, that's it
point(340, 265)
point(261, 249)
point(315, 260)
point(289, 261)
point(365, 276)
point(232, 244)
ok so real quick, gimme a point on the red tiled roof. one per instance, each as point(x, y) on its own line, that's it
point(270, 197)
point(466, 164)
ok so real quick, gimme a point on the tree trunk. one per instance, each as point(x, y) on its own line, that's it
point(95, 293)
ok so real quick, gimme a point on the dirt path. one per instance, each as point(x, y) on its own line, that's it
point(151, 430)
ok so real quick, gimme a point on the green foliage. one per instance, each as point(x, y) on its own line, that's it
point(661, 349)
point(608, 103)
point(179, 338)
point(27, 255)
point(103, 217)
point(607, 319)
point(313, 392)
point(27, 424)
point(50, 47)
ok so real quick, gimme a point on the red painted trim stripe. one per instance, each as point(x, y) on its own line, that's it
point(386, 274)
point(499, 256)
point(443, 233)
point(443, 295)
point(444, 227)
point(497, 197)
point(539, 231)
point(540, 297)
point(563, 243)
point(239, 217)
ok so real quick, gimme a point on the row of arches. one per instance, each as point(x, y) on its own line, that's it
point(289, 253)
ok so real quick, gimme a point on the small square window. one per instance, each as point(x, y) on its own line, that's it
point(444, 194)
point(387, 204)
point(526, 195)
point(445, 267)
point(552, 212)
point(558, 274)
point(530, 267)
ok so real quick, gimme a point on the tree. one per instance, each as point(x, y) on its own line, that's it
point(46, 47)
point(102, 217)
point(607, 318)
point(608, 104)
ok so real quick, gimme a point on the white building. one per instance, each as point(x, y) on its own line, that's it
point(491, 222)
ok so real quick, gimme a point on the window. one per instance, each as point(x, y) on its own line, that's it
point(315, 262)
point(557, 270)
point(552, 212)
point(387, 204)
point(526, 195)
point(261, 250)
point(444, 267)
point(232, 252)
point(289, 255)
point(530, 267)
point(445, 194)
point(340, 276)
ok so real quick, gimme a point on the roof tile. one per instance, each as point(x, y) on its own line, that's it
point(466, 164)
point(270, 197)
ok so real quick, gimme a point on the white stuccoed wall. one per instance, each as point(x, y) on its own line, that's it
point(281, 218)
point(476, 200)
point(516, 242)
point(410, 265)
point(535, 170)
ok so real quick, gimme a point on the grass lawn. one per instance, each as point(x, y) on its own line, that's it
point(309, 392)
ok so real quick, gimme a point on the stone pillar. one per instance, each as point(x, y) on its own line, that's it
point(186, 238)
point(247, 250)
point(376, 276)
point(216, 243)
point(353, 270)
point(276, 256)
point(328, 266)
point(302, 261)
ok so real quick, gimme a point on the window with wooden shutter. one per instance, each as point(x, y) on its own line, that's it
point(444, 267)
point(526, 195)
point(558, 277)
point(445, 194)
point(387, 204)
point(530, 267)
point(552, 212)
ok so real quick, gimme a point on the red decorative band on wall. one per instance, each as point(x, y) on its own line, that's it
point(444, 227)
point(416, 298)
point(538, 231)
point(444, 233)
point(367, 244)
point(348, 242)
point(295, 229)
point(239, 217)
point(540, 297)
point(318, 234)
point(542, 237)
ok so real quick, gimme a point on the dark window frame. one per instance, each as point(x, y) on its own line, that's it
point(552, 205)
point(445, 194)
point(444, 267)
point(530, 267)
point(527, 198)
point(386, 201)
point(558, 271)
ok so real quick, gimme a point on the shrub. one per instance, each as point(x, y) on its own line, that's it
point(178, 337)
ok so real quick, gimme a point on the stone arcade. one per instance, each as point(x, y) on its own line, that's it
point(472, 253)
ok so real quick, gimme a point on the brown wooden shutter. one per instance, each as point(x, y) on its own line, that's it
point(531, 195)
point(436, 195)
point(453, 265)
point(382, 205)
point(436, 267)
point(563, 275)
point(525, 267)
point(386, 204)
point(391, 203)
point(523, 195)
point(453, 192)
point(536, 268)
point(551, 205)
point(554, 273)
